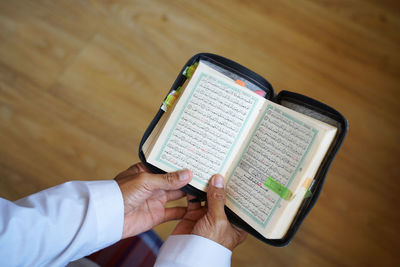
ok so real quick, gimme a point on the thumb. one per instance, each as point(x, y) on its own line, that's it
point(168, 181)
point(216, 196)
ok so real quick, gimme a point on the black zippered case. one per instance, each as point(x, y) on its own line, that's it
point(294, 101)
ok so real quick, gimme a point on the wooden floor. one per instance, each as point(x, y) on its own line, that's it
point(81, 80)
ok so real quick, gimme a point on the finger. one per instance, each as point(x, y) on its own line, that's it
point(175, 194)
point(216, 196)
point(131, 171)
point(174, 213)
point(166, 181)
point(126, 175)
point(238, 229)
point(193, 205)
point(243, 236)
point(242, 233)
point(138, 168)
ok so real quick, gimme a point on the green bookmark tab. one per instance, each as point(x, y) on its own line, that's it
point(276, 187)
point(308, 194)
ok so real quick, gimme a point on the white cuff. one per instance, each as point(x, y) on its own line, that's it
point(192, 250)
point(109, 209)
point(60, 224)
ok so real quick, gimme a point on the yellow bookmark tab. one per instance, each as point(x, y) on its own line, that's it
point(188, 72)
point(278, 188)
point(170, 100)
point(306, 184)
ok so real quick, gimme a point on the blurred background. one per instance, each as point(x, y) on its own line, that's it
point(81, 80)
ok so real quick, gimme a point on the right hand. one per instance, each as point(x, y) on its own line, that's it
point(211, 221)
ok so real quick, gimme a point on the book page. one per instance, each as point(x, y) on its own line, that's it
point(207, 127)
point(155, 133)
point(281, 147)
point(316, 154)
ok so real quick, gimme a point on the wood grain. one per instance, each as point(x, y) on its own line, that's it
point(81, 80)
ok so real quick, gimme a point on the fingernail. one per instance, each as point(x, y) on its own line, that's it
point(184, 175)
point(218, 181)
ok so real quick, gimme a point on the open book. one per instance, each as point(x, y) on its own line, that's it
point(268, 154)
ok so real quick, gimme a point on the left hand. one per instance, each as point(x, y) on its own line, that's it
point(145, 195)
point(210, 221)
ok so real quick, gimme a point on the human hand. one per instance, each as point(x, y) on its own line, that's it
point(211, 221)
point(145, 195)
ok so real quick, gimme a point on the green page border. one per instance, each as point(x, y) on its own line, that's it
point(184, 107)
point(315, 131)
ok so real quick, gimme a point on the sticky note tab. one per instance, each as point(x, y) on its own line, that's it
point(170, 100)
point(241, 83)
point(188, 72)
point(277, 188)
point(185, 71)
point(260, 93)
point(178, 90)
point(307, 183)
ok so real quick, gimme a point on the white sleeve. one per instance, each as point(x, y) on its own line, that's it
point(192, 251)
point(60, 224)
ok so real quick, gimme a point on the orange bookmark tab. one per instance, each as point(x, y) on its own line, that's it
point(306, 185)
point(241, 83)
